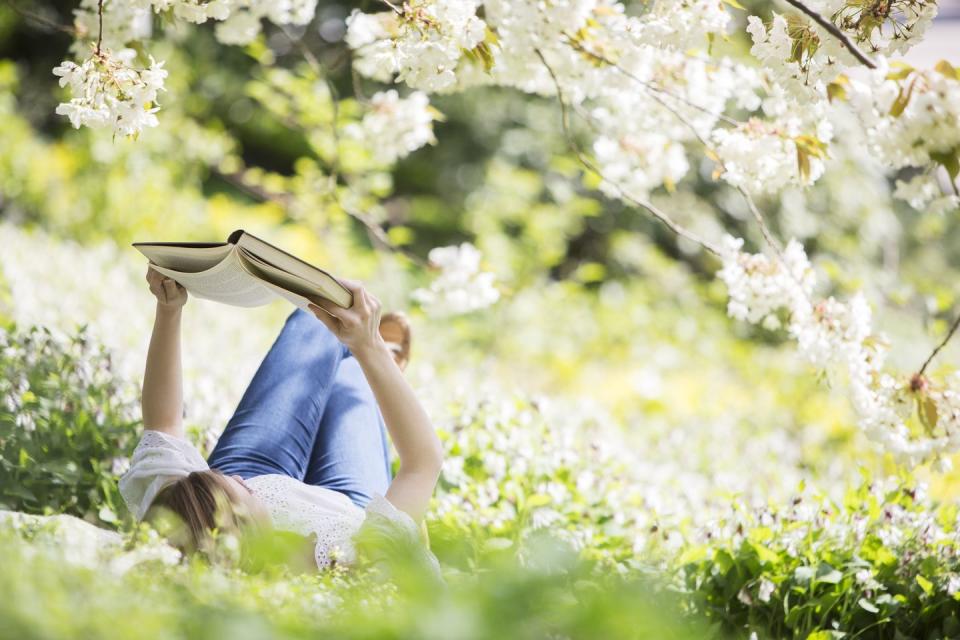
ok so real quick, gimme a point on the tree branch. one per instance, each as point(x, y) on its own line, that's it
point(835, 31)
point(100, 22)
point(943, 343)
point(590, 165)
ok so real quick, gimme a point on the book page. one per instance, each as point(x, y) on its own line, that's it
point(297, 300)
point(184, 258)
point(227, 282)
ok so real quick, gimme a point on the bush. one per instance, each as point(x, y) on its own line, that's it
point(883, 564)
point(66, 425)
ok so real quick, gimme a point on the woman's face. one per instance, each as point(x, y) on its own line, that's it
point(242, 496)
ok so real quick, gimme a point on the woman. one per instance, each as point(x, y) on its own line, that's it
point(305, 450)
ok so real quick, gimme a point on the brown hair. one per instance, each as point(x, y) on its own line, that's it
point(202, 510)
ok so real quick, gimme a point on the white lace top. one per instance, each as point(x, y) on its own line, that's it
point(160, 459)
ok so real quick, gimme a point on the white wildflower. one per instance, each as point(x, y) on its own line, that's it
point(461, 286)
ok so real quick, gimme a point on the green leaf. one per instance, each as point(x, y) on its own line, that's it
point(827, 574)
point(692, 555)
point(734, 4)
point(902, 70)
point(948, 70)
point(927, 410)
point(902, 100)
point(537, 500)
point(837, 90)
point(950, 160)
point(925, 584)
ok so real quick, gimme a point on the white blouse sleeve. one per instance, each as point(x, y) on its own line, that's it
point(158, 460)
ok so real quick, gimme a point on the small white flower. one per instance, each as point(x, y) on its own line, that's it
point(765, 590)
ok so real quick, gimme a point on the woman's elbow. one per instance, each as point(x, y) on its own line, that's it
point(433, 458)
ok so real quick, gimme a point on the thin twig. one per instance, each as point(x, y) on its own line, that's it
point(42, 20)
point(650, 85)
point(591, 166)
point(943, 343)
point(100, 21)
point(318, 68)
point(395, 8)
point(377, 234)
point(835, 32)
point(764, 229)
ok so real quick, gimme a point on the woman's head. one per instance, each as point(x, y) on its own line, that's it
point(206, 504)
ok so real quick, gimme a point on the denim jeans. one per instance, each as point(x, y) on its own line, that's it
point(310, 414)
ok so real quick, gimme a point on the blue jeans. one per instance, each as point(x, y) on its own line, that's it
point(310, 414)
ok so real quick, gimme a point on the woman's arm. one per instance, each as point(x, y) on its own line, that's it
point(162, 397)
point(421, 456)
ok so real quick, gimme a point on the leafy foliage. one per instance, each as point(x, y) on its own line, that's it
point(65, 423)
point(884, 563)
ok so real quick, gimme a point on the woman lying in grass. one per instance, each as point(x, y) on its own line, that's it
point(305, 450)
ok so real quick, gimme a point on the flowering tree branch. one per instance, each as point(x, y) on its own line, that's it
point(591, 166)
point(844, 39)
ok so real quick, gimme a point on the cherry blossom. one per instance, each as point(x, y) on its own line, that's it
point(394, 126)
point(108, 92)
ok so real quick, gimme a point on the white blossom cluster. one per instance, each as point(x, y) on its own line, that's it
point(642, 87)
point(760, 287)
point(902, 26)
point(107, 91)
point(239, 21)
point(912, 119)
point(837, 337)
point(683, 23)
point(423, 44)
point(924, 193)
point(763, 159)
point(393, 127)
point(461, 286)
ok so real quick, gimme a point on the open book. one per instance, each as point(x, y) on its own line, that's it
point(244, 271)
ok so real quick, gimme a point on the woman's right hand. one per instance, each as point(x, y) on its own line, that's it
point(168, 292)
point(357, 327)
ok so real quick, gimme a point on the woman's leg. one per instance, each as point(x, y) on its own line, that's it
point(274, 427)
point(351, 454)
